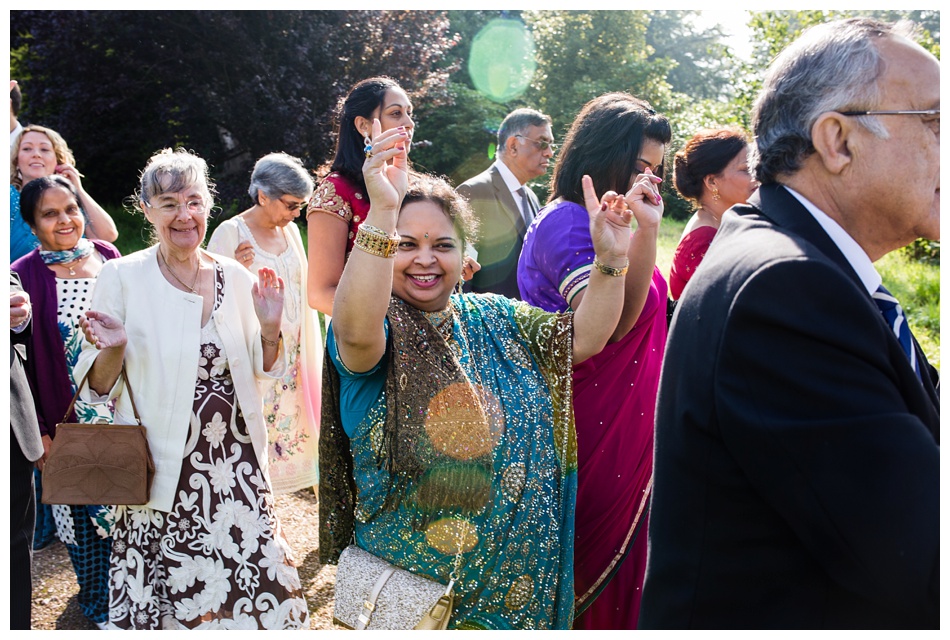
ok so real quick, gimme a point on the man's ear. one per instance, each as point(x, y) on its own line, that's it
point(833, 135)
point(511, 145)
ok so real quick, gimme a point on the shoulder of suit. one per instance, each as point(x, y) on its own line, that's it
point(485, 177)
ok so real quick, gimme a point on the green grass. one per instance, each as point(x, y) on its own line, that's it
point(915, 284)
point(670, 232)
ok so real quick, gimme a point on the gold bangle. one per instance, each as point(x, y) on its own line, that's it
point(614, 272)
point(273, 343)
point(376, 241)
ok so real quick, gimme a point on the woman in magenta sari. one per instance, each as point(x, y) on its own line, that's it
point(616, 139)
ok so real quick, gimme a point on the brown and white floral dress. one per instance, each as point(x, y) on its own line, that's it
point(217, 559)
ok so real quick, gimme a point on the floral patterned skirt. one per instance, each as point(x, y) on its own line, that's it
point(218, 559)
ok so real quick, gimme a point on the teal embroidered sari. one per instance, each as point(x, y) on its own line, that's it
point(466, 457)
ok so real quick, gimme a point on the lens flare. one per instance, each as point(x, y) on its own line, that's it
point(502, 61)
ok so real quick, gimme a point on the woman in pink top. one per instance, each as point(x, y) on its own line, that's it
point(712, 171)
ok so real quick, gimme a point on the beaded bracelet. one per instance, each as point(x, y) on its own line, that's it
point(615, 272)
point(273, 343)
point(376, 241)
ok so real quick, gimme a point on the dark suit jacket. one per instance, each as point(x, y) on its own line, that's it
point(22, 410)
point(500, 233)
point(797, 453)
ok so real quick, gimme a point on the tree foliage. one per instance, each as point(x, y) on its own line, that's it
point(232, 85)
point(704, 65)
point(583, 54)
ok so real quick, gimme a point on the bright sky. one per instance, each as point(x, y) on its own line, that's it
point(734, 25)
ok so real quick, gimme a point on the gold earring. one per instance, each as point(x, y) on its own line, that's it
point(715, 193)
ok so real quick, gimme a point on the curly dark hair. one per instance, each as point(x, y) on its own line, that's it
point(424, 187)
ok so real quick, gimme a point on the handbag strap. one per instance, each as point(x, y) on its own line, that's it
point(369, 605)
point(79, 387)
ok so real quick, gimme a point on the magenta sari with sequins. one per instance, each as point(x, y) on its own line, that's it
point(614, 403)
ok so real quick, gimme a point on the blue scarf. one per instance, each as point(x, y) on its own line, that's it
point(82, 249)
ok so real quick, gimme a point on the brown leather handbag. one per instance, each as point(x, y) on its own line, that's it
point(107, 464)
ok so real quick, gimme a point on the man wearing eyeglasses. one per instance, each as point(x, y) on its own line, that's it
point(797, 459)
point(504, 203)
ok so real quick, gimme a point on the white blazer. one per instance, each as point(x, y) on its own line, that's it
point(163, 325)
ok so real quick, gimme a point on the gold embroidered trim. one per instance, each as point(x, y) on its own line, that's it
point(623, 548)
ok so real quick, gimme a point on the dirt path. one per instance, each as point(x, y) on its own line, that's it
point(55, 592)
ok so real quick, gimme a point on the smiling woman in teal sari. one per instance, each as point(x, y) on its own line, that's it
point(447, 440)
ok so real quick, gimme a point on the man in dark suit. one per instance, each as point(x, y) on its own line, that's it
point(26, 447)
point(797, 439)
point(503, 202)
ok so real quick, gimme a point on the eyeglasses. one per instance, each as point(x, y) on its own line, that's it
point(171, 208)
point(292, 206)
point(930, 117)
point(540, 144)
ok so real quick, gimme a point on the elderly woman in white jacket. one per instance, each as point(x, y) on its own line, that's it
point(195, 332)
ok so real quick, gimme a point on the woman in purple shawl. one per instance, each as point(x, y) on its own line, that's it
point(617, 140)
point(60, 277)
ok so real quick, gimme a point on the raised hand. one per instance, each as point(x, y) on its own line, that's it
point(268, 295)
point(69, 172)
point(20, 309)
point(103, 330)
point(644, 199)
point(386, 168)
point(609, 223)
point(470, 267)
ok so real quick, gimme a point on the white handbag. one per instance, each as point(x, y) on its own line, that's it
point(371, 593)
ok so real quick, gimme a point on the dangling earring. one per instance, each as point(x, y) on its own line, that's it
point(461, 282)
point(715, 193)
point(367, 146)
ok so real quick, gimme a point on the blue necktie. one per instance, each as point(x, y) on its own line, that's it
point(894, 316)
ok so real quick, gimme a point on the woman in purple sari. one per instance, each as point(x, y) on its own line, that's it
point(617, 140)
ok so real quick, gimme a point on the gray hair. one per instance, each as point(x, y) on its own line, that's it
point(517, 122)
point(278, 174)
point(171, 171)
point(832, 66)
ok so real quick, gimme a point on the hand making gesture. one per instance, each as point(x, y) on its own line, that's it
point(386, 168)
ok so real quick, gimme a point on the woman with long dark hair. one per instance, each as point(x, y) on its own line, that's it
point(340, 203)
point(620, 142)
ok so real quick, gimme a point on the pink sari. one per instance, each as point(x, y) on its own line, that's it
point(614, 404)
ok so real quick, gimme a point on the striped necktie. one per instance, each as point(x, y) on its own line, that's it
point(894, 316)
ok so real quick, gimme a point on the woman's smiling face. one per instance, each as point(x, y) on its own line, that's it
point(429, 260)
point(58, 221)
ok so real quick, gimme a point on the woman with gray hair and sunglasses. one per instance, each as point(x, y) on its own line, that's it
point(266, 236)
point(196, 334)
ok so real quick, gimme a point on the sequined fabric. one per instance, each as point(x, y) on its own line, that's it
point(340, 196)
point(470, 448)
